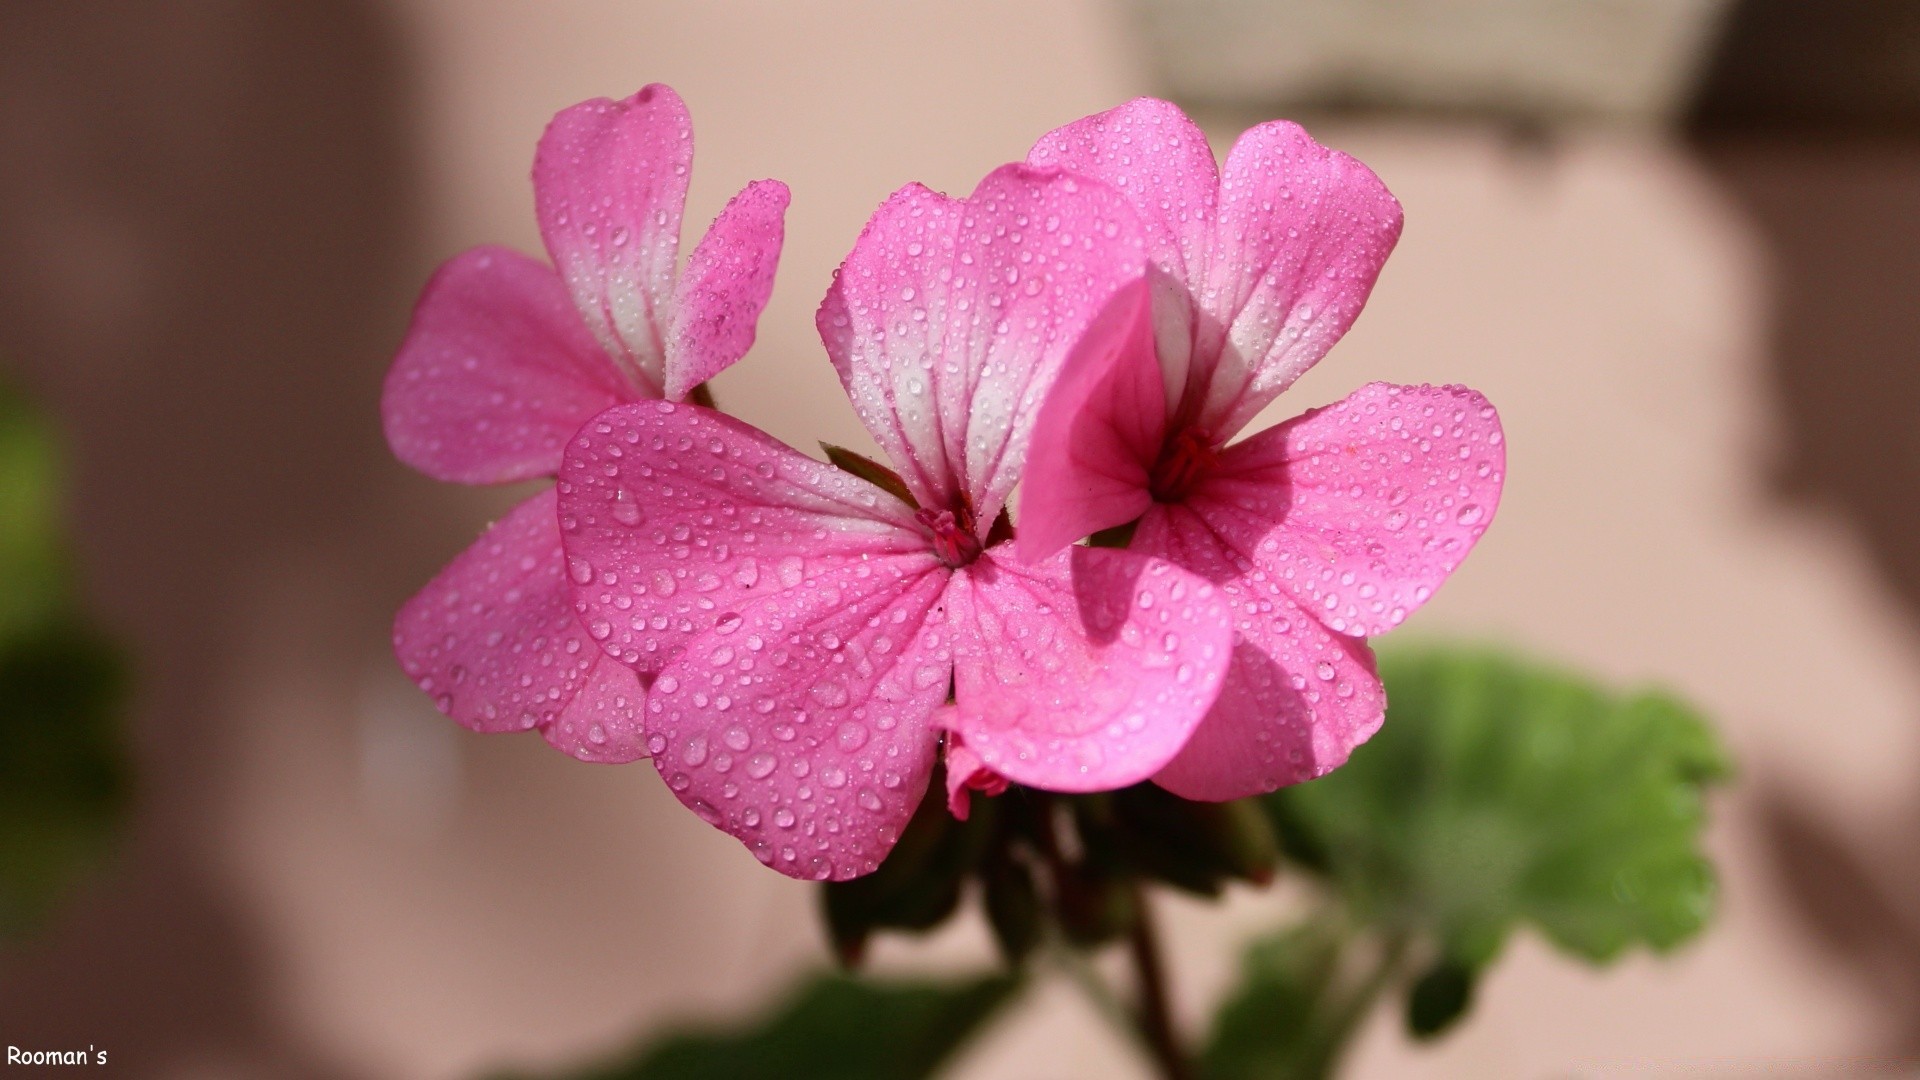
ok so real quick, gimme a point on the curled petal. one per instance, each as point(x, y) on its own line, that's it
point(718, 299)
point(1297, 697)
point(1097, 436)
point(496, 373)
point(1160, 160)
point(951, 318)
point(1303, 232)
point(609, 185)
point(1085, 672)
point(966, 773)
point(1363, 508)
point(673, 515)
point(493, 639)
point(800, 725)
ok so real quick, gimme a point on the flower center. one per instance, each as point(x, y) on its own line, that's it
point(953, 539)
point(1184, 461)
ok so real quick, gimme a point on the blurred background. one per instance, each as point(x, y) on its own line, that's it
point(1676, 241)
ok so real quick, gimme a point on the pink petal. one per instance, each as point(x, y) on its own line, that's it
point(609, 184)
point(800, 724)
point(494, 640)
point(673, 515)
point(1097, 435)
point(1086, 672)
point(496, 373)
point(950, 319)
point(1302, 235)
point(1377, 499)
point(718, 299)
point(1297, 697)
point(966, 773)
point(1160, 160)
point(602, 722)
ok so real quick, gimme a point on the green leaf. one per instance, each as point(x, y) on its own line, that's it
point(1287, 1019)
point(1501, 792)
point(64, 783)
point(33, 577)
point(1439, 998)
point(833, 1026)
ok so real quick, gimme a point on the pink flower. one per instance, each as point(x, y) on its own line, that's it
point(805, 624)
point(1320, 531)
point(506, 358)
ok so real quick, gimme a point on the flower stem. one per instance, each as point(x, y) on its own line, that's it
point(1154, 1014)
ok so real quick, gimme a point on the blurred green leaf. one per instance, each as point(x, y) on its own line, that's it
point(1194, 846)
point(834, 1026)
point(1286, 1019)
point(63, 775)
point(1502, 792)
point(32, 566)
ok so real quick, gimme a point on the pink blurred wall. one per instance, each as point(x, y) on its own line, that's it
point(223, 210)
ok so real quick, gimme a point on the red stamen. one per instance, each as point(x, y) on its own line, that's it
point(953, 538)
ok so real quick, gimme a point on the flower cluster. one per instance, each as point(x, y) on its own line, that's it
point(794, 643)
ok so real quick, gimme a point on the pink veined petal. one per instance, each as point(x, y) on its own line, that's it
point(493, 638)
point(1086, 672)
point(1362, 508)
point(1097, 435)
point(1160, 160)
point(718, 299)
point(496, 372)
point(966, 773)
point(609, 185)
point(673, 515)
point(950, 319)
point(800, 725)
point(1303, 232)
point(1297, 697)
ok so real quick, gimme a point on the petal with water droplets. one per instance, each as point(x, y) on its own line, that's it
point(1362, 509)
point(950, 319)
point(1297, 697)
point(609, 184)
point(496, 372)
point(801, 726)
point(494, 640)
point(1160, 160)
point(1098, 435)
point(718, 299)
point(1302, 234)
point(674, 515)
point(1085, 672)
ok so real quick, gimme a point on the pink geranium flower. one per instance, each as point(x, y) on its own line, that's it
point(506, 359)
point(805, 624)
point(1321, 531)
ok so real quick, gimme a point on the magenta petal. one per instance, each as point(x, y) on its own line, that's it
point(494, 640)
point(673, 515)
point(950, 319)
point(496, 372)
point(1086, 672)
point(1302, 235)
point(718, 299)
point(1378, 498)
point(800, 724)
point(602, 722)
point(609, 185)
point(1297, 697)
point(1096, 437)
